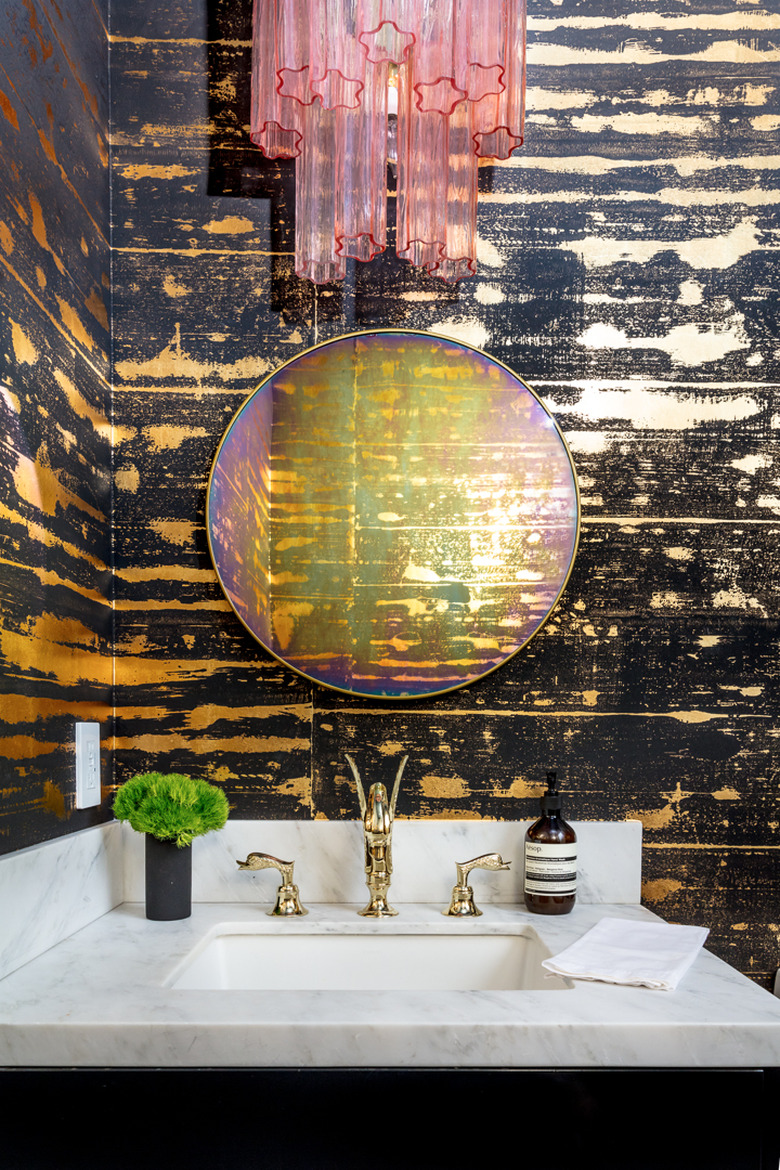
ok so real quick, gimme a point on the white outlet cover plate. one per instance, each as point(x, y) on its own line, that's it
point(87, 765)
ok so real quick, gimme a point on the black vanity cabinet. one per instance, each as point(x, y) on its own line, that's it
point(390, 1119)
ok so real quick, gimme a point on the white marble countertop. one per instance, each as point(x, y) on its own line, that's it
point(99, 998)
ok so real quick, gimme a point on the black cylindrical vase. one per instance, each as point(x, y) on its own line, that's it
point(168, 880)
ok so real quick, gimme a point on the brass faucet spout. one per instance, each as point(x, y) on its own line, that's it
point(377, 814)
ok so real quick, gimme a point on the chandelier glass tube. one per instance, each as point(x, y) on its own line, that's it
point(323, 73)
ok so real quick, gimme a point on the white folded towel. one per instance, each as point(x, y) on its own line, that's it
point(621, 950)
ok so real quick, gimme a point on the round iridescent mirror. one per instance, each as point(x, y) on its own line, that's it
point(393, 514)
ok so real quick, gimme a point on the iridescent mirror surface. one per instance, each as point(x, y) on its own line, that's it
point(393, 514)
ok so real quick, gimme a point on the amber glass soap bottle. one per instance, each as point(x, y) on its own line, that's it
point(550, 884)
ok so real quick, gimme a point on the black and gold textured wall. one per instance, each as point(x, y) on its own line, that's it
point(55, 450)
point(627, 270)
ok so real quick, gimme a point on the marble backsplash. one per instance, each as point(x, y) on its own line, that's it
point(50, 891)
point(328, 858)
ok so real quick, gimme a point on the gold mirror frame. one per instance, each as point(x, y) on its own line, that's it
point(393, 514)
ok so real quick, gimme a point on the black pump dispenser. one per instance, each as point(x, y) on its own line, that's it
point(550, 881)
point(551, 801)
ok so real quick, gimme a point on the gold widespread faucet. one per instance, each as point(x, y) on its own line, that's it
point(377, 813)
point(287, 900)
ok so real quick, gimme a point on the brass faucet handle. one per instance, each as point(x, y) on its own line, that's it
point(287, 899)
point(462, 903)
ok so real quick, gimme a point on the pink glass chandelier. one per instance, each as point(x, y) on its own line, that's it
point(324, 76)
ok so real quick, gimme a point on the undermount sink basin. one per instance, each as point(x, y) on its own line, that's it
point(234, 959)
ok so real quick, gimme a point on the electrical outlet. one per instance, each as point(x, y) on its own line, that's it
point(87, 765)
